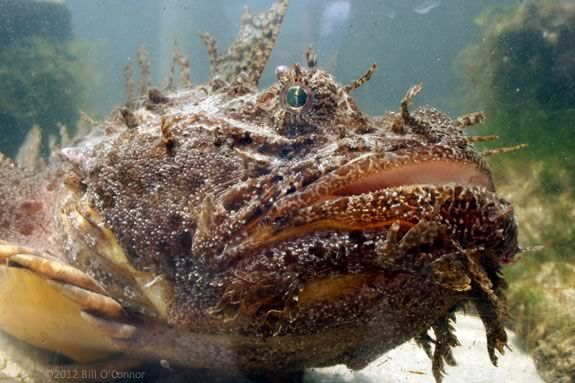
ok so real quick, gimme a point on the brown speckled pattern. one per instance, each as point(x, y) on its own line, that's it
point(231, 199)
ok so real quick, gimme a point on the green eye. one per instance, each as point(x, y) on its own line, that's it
point(296, 96)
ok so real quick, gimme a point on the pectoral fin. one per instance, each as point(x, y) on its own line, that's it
point(44, 303)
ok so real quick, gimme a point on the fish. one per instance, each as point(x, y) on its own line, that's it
point(254, 232)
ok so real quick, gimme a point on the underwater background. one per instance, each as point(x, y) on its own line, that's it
point(61, 60)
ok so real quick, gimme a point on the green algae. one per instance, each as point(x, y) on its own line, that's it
point(45, 74)
point(522, 73)
point(542, 283)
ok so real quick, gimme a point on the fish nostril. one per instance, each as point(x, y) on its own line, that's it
point(281, 71)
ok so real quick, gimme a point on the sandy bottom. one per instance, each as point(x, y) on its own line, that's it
point(406, 364)
point(409, 364)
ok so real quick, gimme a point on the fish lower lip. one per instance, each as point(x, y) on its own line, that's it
point(476, 208)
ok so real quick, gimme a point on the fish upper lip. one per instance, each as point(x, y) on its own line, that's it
point(374, 171)
point(437, 172)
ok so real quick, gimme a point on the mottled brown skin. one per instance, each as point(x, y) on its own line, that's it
point(271, 249)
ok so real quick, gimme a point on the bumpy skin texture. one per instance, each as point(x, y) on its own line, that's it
point(256, 238)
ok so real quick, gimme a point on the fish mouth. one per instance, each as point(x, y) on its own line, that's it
point(374, 172)
point(373, 193)
point(373, 175)
point(370, 224)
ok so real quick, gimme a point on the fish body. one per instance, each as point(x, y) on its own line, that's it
point(256, 231)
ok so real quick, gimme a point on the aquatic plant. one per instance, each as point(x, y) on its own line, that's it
point(543, 288)
point(541, 292)
point(43, 72)
point(522, 71)
point(26, 18)
point(544, 307)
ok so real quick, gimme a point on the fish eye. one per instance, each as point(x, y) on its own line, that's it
point(296, 97)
